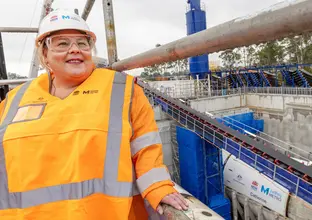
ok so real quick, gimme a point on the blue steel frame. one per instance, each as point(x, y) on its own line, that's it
point(290, 81)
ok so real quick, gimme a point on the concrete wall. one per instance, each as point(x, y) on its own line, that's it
point(261, 101)
point(276, 102)
point(286, 117)
point(293, 126)
point(218, 103)
point(164, 127)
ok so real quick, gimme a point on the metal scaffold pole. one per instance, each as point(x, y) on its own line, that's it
point(277, 22)
point(33, 72)
point(18, 30)
point(110, 31)
point(3, 73)
point(87, 9)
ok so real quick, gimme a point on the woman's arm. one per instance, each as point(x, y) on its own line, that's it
point(153, 178)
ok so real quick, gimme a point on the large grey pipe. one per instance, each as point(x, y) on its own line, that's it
point(282, 20)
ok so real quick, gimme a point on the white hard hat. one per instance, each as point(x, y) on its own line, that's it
point(62, 20)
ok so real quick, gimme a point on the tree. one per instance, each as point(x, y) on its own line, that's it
point(16, 76)
point(171, 68)
point(299, 48)
point(230, 58)
point(270, 53)
point(250, 54)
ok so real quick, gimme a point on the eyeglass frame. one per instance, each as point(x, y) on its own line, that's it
point(90, 41)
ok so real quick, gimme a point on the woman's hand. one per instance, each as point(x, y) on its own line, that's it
point(176, 200)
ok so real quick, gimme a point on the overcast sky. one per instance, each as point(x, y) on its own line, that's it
point(140, 24)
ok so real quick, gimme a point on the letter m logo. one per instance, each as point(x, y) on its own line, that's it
point(265, 190)
point(65, 17)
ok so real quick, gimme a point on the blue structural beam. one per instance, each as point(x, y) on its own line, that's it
point(196, 22)
point(254, 79)
point(239, 80)
point(249, 83)
point(289, 80)
point(265, 81)
point(232, 80)
point(271, 67)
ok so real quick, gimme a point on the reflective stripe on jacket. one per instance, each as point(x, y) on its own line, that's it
point(74, 158)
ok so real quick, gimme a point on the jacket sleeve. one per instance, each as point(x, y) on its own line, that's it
point(153, 179)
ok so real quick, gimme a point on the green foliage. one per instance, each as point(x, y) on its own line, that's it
point(297, 49)
point(172, 68)
point(270, 53)
point(230, 58)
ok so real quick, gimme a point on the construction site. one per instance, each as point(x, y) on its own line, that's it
point(237, 142)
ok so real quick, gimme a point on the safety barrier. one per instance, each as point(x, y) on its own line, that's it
point(198, 89)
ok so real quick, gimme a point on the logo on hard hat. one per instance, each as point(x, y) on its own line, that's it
point(66, 17)
point(54, 18)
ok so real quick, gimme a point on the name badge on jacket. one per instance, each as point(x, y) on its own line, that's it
point(29, 112)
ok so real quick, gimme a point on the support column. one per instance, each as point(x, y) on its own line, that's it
point(110, 31)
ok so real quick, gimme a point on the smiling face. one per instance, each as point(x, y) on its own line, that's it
point(67, 55)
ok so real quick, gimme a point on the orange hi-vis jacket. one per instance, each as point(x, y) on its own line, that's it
point(83, 157)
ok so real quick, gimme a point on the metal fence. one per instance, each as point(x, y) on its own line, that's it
point(191, 89)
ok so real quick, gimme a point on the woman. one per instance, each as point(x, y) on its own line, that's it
point(78, 142)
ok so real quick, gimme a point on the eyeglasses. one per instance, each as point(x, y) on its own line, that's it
point(63, 42)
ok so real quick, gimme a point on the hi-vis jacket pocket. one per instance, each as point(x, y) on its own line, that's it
point(29, 113)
